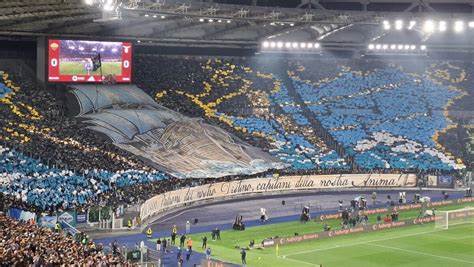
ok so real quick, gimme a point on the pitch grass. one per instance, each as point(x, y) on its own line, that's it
point(417, 246)
point(77, 68)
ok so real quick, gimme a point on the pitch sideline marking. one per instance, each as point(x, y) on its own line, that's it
point(304, 262)
point(419, 252)
point(370, 241)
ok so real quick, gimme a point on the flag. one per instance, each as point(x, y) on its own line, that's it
point(96, 62)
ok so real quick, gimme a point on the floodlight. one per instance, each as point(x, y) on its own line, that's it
point(471, 24)
point(146, 15)
point(407, 47)
point(272, 44)
point(459, 26)
point(138, 41)
point(287, 44)
point(386, 27)
point(371, 46)
point(303, 45)
point(399, 47)
point(413, 47)
point(378, 46)
point(385, 22)
point(316, 45)
point(89, 2)
point(294, 45)
point(219, 20)
point(384, 46)
point(282, 24)
point(412, 24)
point(279, 44)
point(201, 20)
point(310, 45)
point(266, 44)
point(393, 47)
point(423, 47)
point(442, 26)
point(272, 23)
point(398, 24)
point(292, 24)
point(163, 16)
point(109, 7)
point(228, 21)
point(429, 26)
point(154, 16)
point(211, 20)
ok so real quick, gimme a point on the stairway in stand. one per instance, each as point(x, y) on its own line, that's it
point(315, 123)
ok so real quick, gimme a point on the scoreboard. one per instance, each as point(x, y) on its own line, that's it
point(84, 61)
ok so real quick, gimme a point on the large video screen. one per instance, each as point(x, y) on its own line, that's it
point(89, 61)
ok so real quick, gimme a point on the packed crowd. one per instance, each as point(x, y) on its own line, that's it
point(34, 123)
point(24, 244)
point(240, 97)
point(386, 118)
point(49, 161)
point(376, 114)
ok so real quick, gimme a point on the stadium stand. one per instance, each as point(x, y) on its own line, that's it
point(35, 121)
point(181, 94)
point(385, 118)
point(356, 108)
point(269, 119)
point(25, 244)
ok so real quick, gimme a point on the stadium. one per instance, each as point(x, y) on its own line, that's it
point(237, 133)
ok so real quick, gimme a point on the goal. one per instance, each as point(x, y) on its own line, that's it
point(447, 219)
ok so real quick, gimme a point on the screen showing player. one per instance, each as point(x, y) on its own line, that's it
point(89, 61)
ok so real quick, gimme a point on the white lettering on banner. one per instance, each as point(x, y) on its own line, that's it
point(176, 198)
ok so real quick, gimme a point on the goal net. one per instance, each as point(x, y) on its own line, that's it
point(446, 219)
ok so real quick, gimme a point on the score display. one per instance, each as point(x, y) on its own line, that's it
point(76, 61)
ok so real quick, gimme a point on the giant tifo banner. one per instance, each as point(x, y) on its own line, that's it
point(162, 202)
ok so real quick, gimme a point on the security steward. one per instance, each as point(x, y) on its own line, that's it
point(149, 232)
point(57, 227)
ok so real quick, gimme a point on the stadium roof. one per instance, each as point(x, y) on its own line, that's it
point(339, 23)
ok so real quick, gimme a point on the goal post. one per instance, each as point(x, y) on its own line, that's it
point(447, 219)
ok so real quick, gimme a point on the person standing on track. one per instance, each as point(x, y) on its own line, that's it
point(243, 256)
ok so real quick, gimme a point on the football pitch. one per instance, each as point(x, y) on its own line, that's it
point(414, 246)
point(77, 68)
